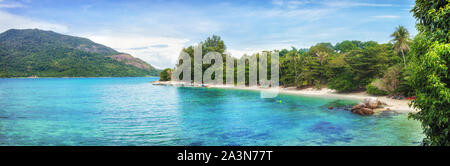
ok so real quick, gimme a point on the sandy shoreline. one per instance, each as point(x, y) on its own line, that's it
point(399, 106)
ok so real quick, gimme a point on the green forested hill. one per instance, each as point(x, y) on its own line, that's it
point(34, 52)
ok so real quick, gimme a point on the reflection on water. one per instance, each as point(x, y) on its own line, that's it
point(131, 111)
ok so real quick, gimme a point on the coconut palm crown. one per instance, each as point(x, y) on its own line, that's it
point(401, 41)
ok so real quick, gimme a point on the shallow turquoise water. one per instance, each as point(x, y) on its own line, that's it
point(131, 111)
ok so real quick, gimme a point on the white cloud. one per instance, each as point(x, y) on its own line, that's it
point(296, 3)
point(161, 52)
point(290, 3)
point(239, 53)
point(13, 5)
point(10, 5)
point(11, 21)
point(278, 2)
point(253, 50)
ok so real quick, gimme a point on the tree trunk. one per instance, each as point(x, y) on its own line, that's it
point(404, 59)
point(295, 69)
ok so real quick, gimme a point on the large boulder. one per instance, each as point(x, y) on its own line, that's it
point(363, 111)
point(357, 107)
point(366, 108)
point(372, 102)
point(366, 111)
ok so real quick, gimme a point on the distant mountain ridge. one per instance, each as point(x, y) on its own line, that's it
point(34, 52)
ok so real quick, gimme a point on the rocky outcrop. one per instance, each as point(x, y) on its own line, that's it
point(367, 107)
point(363, 111)
point(372, 103)
point(130, 60)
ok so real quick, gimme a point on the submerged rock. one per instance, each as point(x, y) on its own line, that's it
point(336, 104)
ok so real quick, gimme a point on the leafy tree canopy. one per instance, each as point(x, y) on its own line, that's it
point(429, 70)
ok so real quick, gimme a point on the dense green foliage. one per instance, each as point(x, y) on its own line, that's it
point(165, 75)
point(25, 53)
point(346, 67)
point(211, 44)
point(432, 18)
point(430, 68)
point(371, 89)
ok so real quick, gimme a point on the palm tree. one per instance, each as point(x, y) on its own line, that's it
point(401, 41)
point(321, 55)
point(294, 58)
point(295, 67)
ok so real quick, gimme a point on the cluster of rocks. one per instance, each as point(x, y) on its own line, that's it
point(367, 107)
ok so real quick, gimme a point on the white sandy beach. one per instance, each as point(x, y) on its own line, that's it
point(399, 106)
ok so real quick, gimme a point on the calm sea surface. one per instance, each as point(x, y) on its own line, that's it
point(131, 111)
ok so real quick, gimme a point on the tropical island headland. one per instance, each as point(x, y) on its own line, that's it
point(38, 53)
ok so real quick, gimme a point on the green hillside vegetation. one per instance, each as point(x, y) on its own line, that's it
point(33, 52)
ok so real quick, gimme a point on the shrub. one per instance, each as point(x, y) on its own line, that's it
point(342, 84)
point(391, 78)
point(317, 85)
point(370, 89)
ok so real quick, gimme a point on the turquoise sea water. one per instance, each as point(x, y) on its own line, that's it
point(131, 111)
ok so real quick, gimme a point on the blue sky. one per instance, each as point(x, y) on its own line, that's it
point(155, 31)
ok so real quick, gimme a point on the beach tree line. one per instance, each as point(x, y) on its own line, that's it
point(346, 66)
